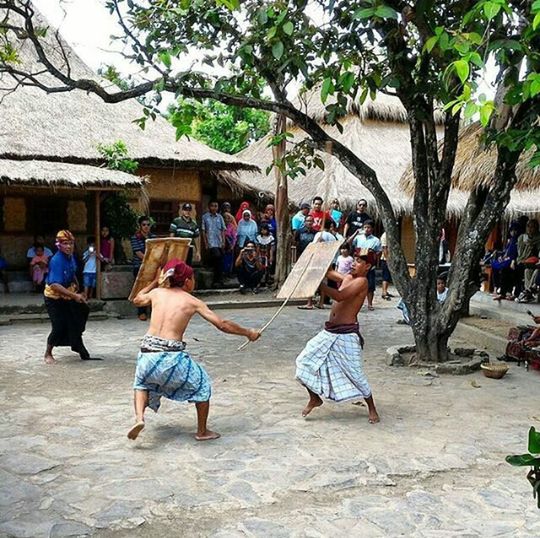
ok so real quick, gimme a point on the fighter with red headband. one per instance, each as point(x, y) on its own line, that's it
point(164, 368)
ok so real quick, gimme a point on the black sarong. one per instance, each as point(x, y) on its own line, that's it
point(68, 320)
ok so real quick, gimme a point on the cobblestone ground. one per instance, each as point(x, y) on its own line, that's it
point(434, 466)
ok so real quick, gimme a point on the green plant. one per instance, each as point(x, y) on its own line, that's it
point(532, 460)
point(116, 157)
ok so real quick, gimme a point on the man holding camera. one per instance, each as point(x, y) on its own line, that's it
point(249, 268)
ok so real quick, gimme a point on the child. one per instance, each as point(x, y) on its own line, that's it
point(442, 290)
point(344, 261)
point(266, 245)
point(40, 267)
point(3, 272)
point(90, 267)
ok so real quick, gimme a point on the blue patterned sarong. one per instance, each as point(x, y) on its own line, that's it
point(165, 369)
point(331, 366)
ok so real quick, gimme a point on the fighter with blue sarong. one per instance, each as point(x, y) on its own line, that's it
point(164, 368)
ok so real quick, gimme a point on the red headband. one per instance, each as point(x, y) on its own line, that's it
point(177, 271)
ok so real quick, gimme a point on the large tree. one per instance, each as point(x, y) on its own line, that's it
point(428, 54)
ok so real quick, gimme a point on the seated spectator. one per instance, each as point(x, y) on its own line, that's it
point(38, 241)
point(266, 244)
point(106, 248)
point(527, 260)
point(3, 273)
point(39, 267)
point(246, 230)
point(298, 219)
point(230, 242)
point(249, 268)
point(504, 267)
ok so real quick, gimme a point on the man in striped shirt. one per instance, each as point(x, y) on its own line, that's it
point(186, 227)
point(138, 245)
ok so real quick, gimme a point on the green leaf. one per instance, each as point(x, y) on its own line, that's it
point(536, 21)
point(347, 81)
point(327, 88)
point(430, 43)
point(165, 58)
point(386, 12)
point(443, 41)
point(485, 112)
point(534, 441)
point(491, 9)
point(364, 13)
point(288, 28)
point(462, 70)
point(263, 16)
point(277, 50)
point(271, 32)
point(523, 460)
point(470, 110)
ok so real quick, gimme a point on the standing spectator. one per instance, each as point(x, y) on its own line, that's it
point(213, 234)
point(249, 268)
point(367, 242)
point(266, 244)
point(106, 248)
point(39, 266)
point(230, 242)
point(90, 257)
point(298, 219)
point(270, 214)
point(442, 290)
point(39, 241)
point(336, 213)
point(66, 307)
point(247, 229)
point(444, 250)
point(356, 219)
point(344, 261)
point(304, 236)
point(504, 267)
point(3, 273)
point(225, 208)
point(318, 214)
point(138, 245)
point(386, 276)
point(243, 206)
point(185, 226)
point(528, 248)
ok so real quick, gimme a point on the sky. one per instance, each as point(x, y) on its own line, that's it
point(88, 26)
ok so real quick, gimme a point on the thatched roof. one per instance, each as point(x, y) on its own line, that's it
point(475, 165)
point(69, 126)
point(57, 174)
point(384, 145)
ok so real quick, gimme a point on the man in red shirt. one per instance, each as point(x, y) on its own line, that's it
point(318, 214)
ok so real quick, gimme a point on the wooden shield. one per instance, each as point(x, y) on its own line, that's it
point(309, 271)
point(157, 253)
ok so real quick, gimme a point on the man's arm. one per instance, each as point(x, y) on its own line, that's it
point(143, 298)
point(224, 325)
point(77, 297)
point(335, 276)
point(351, 291)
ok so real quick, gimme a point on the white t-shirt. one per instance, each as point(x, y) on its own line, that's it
point(324, 237)
point(344, 264)
point(441, 297)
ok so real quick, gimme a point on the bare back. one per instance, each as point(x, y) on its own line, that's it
point(346, 311)
point(172, 310)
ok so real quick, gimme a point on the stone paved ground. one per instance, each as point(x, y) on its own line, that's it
point(434, 467)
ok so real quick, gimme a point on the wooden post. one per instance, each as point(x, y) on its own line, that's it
point(98, 243)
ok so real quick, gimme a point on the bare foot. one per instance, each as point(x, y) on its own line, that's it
point(49, 359)
point(314, 401)
point(208, 435)
point(135, 430)
point(373, 417)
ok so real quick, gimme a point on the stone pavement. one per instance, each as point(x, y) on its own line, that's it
point(434, 466)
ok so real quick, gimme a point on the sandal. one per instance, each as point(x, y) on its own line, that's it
point(305, 307)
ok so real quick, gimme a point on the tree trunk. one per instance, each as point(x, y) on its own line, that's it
point(282, 209)
point(431, 347)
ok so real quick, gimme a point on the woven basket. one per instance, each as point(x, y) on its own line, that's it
point(495, 371)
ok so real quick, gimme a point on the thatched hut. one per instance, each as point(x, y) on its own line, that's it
point(67, 127)
point(377, 131)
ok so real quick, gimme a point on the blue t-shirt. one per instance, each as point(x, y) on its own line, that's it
point(62, 270)
point(371, 242)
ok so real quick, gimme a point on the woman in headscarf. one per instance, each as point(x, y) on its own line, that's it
point(246, 230)
point(243, 206)
point(230, 242)
point(67, 308)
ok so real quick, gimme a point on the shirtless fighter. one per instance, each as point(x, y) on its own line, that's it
point(164, 368)
point(331, 363)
